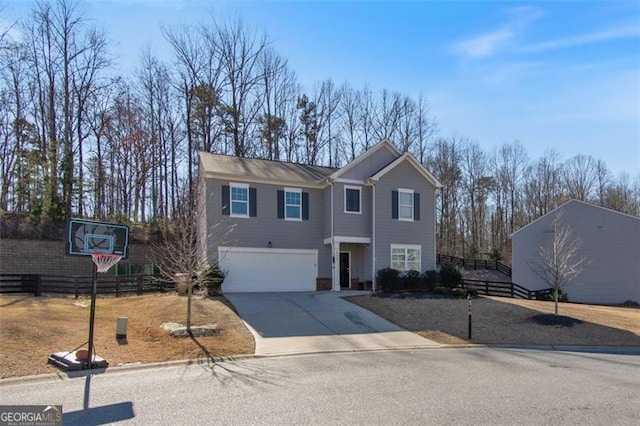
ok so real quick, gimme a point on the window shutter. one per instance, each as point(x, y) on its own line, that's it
point(226, 200)
point(416, 206)
point(305, 206)
point(253, 204)
point(280, 204)
point(394, 204)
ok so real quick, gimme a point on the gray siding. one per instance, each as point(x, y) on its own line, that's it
point(610, 240)
point(352, 224)
point(360, 260)
point(393, 231)
point(326, 209)
point(369, 166)
point(258, 231)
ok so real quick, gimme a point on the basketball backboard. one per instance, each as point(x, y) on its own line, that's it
point(86, 237)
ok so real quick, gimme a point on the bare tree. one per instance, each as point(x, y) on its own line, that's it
point(181, 253)
point(559, 260)
point(580, 175)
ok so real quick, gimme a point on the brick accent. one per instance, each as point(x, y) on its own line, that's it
point(323, 284)
point(48, 258)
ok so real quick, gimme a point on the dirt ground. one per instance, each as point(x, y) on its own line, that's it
point(33, 328)
point(498, 320)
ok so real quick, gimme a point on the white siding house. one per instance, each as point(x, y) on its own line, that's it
point(610, 241)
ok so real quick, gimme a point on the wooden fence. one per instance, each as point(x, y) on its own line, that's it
point(505, 289)
point(474, 263)
point(81, 285)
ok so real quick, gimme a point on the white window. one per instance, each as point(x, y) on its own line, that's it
point(352, 199)
point(405, 204)
point(239, 193)
point(406, 257)
point(292, 204)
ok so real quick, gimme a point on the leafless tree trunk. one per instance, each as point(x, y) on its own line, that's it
point(559, 260)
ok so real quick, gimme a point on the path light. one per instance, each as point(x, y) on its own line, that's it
point(269, 244)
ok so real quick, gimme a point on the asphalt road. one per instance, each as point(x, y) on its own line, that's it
point(432, 386)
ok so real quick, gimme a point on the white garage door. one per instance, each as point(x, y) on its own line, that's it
point(262, 270)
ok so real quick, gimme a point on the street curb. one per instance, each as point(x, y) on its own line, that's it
point(12, 381)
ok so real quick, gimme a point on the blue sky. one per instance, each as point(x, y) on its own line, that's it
point(553, 75)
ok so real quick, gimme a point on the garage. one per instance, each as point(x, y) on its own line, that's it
point(266, 270)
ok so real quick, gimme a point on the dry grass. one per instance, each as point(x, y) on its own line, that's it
point(33, 328)
point(507, 321)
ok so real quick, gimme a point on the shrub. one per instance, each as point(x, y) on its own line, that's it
point(211, 278)
point(496, 255)
point(440, 290)
point(562, 297)
point(432, 279)
point(410, 280)
point(458, 292)
point(389, 279)
point(473, 292)
point(450, 275)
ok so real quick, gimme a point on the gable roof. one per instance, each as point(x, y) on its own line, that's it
point(259, 170)
point(408, 157)
point(578, 203)
point(383, 144)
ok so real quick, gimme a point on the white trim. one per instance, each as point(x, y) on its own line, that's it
point(228, 249)
point(415, 163)
point(254, 180)
point(284, 203)
point(243, 186)
point(349, 279)
point(406, 191)
point(359, 189)
point(349, 181)
point(373, 238)
point(343, 239)
point(405, 247)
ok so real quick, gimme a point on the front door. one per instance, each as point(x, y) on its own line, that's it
point(345, 269)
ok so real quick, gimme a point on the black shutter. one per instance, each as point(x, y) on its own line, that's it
point(253, 204)
point(416, 206)
point(305, 206)
point(226, 200)
point(280, 204)
point(394, 204)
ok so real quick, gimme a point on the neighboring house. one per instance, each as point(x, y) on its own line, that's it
point(298, 227)
point(610, 240)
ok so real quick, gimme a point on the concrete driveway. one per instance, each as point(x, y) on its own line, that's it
point(294, 323)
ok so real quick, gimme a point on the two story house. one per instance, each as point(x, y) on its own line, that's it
point(277, 226)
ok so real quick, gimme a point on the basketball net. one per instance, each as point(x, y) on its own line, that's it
point(104, 261)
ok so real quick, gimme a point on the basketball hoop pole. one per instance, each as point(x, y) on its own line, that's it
point(92, 315)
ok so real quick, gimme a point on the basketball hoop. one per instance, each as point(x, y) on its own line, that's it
point(104, 261)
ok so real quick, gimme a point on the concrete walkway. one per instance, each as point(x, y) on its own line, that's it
point(296, 323)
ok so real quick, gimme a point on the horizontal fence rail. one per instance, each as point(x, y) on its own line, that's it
point(82, 285)
point(474, 263)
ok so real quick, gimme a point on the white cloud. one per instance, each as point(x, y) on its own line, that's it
point(618, 32)
point(491, 42)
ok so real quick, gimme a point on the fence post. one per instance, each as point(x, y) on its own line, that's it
point(486, 288)
point(117, 286)
point(140, 281)
point(75, 286)
point(512, 291)
point(38, 289)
